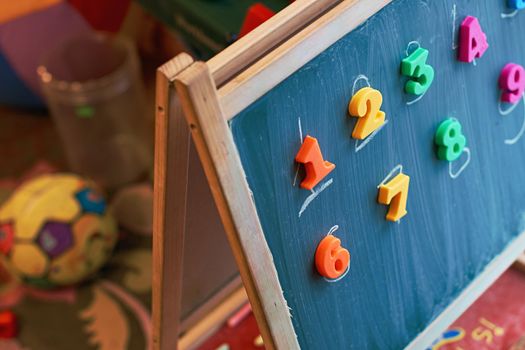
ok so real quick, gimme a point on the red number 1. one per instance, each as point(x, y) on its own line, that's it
point(316, 167)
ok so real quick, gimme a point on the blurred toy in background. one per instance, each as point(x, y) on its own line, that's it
point(256, 15)
point(55, 230)
point(8, 324)
point(132, 207)
point(208, 27)
point(13, 91)
point(29, 28)
point(103, 15)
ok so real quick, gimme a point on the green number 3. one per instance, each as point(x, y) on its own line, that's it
point(422, 74)
point(450, 140)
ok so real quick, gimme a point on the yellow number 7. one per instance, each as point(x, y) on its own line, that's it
point(395, 194)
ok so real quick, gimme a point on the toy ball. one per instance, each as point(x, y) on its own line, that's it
point(56, 230)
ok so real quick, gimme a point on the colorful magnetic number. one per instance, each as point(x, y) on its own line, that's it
point(395, 194)
point(366, 105)
point(472, 40)
point(331, 260)
point(415, 66)
point(450, 140)
point(512, 82)
point(316, 167)
point(516, 4)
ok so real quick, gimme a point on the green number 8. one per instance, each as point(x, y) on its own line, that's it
point(450, 140)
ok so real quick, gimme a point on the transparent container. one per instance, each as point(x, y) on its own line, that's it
point(94, 90)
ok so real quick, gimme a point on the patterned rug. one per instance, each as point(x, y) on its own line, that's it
point(109, 312)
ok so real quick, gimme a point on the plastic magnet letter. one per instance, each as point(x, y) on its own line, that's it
point(331, 260)
point(366, 105)
point(8, 325)
point(256, 15)
point(395, 194)
point(517, 4)
point(450, 140)
point(512, 82)
point(316, 167)
point(415, 66)
point(472, 40)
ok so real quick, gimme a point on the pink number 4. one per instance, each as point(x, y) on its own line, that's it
point(472, 40)
point(512, 82)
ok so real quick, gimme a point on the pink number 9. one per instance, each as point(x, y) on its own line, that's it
point(512, 82)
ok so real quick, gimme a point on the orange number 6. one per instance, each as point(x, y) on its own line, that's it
point(331, 260)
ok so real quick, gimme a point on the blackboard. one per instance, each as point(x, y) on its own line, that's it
point(461, 216)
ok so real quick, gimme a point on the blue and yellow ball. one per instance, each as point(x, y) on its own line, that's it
point(56, 230)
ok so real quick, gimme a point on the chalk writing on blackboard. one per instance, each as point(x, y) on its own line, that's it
point(300, 129)
point(505, 112)
point(300, 140)
point(314, 195)
point(359, 145)
point(454, 26)
point(410, 44)
point(339, 278)
point(332, 230)
point(455, 175)
point(509, 15)
point(398, 169)
point(416, 100)
point(357, 80)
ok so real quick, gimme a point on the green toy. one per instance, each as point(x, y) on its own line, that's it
point(450, 140)
point(422, 74)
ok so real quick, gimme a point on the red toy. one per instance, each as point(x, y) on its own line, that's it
point(257, 14)
point(8, 325)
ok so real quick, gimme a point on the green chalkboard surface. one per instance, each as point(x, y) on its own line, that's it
point(462, 216)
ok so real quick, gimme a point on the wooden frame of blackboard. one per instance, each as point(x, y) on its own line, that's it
point(210, 100)
point(223, 307)
point(207, 110)
point(172, 150)
point(169, 196)
point(172, 156)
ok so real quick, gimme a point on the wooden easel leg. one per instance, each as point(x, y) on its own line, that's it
point(215, 145)
point(172, 145)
